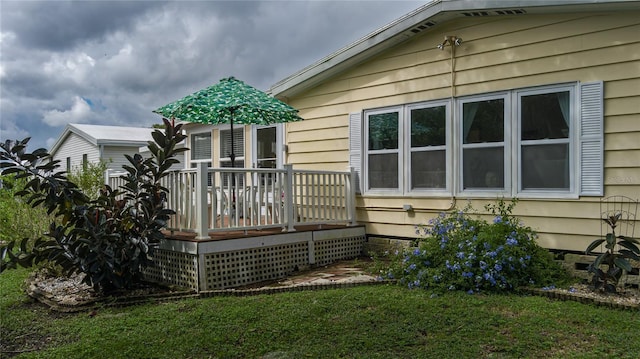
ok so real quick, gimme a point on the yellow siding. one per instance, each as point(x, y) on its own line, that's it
point(498, 53)
point(622, 159)
point(622, 123)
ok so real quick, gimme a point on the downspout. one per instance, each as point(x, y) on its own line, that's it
point(453, 117)
point(453, 42)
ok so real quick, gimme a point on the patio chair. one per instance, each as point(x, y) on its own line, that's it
point(249, 207)
point(218, 206)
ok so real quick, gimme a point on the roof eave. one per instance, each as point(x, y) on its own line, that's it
point(123, 143)
point(362, 49)
point(437, 11)
point(68, 130)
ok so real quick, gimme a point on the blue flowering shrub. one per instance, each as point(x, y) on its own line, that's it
point(458, 252)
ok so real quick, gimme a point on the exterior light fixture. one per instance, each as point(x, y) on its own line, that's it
point(450, 40)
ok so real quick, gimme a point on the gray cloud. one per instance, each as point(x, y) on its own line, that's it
point(114, 62)
point(66, 24)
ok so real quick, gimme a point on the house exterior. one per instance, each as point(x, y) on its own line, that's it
point(254, 146)
point(465, 100)
point(80, 144)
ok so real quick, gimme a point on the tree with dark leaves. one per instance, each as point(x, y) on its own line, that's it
point(110, 239)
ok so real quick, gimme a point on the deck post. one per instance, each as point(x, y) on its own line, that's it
point(202, 213)
point(202, 273)
point(288, 198)
point(312, 250)
point(351, 196)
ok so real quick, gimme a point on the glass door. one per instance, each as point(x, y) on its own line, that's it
point(267, 148)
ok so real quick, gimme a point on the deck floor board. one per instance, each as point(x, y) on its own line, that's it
point(236, 234)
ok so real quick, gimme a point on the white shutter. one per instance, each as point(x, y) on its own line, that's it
point(591, 139)
point(355, 147)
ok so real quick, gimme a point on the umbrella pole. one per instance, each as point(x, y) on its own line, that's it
point(233, 174)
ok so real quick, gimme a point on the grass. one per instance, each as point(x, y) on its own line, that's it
point(362, 322)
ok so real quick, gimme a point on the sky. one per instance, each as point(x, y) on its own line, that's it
point(114, 62)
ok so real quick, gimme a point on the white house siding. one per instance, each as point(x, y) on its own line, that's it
point(115, 155)
point(75, 147)
point(498, 53)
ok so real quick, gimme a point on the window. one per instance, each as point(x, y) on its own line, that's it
point(383, 150)
point(545, 151)
point(407, 148)
point(544, 141)
point(69, 164)
point(201, 151)
point(428, 153)
point(238, 147)
point(518, 143)
point(483, 144)
point(85, 161)
point(226, 151)
point(201, 147)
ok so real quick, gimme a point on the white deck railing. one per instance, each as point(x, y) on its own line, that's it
point(217, 199)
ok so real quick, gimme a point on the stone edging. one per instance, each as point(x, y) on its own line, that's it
point(42, 297)
point(34, 292)
point(579, 298)
point(284, 289)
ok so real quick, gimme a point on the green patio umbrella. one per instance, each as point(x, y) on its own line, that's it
point(230, 101)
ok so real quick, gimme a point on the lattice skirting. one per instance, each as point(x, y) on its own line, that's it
point(203, 266)
point(175, 268)
point(331, 250)
point(238, 268)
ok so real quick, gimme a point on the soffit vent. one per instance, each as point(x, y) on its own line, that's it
point(511, 12)
point(423, 27)
point(496, 12)
point(476, 13)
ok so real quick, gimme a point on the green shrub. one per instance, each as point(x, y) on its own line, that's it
point(459, 252)
point(17, 219)
point(89, 177)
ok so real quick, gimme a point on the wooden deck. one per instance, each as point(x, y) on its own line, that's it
point(236, 257)
point(237, 234)
point(205, 200)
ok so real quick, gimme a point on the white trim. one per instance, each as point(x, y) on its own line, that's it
point(408, 150)
point(591, 139)
point(365, 145)
point(279, 144)
point(570, 141)
point(512, 144)
point(191, 148)
point(505, 144)
point(356, 149)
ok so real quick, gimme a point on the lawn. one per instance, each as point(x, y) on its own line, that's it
point(362, 322)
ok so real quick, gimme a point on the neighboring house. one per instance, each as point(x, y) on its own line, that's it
point(476, 100)
point(80, 144)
